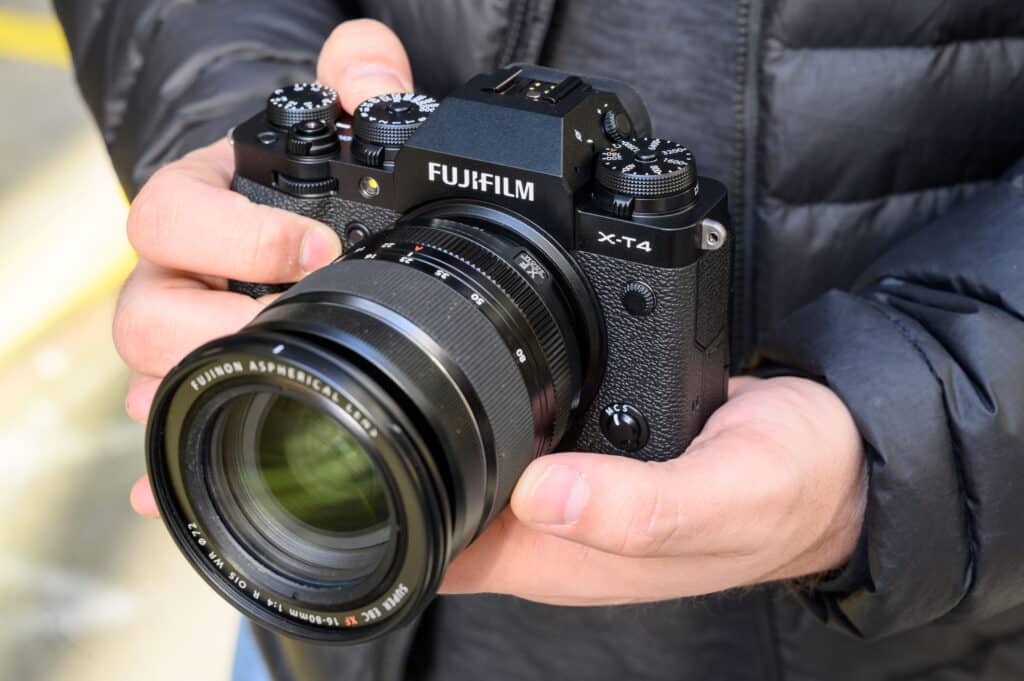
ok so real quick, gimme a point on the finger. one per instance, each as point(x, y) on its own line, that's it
point(741, 384)
point(186, 218)
point(361, 59)
point(690, 505)
point(142, 500)
point(505, 559)
point(163, 315)
point(140, 396)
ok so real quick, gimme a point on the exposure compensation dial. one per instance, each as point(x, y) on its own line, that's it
point(658, 172)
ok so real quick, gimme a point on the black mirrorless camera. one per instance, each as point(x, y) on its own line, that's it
point(526, 270)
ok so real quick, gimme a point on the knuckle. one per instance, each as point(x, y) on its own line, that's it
point(130, 332)
point(268, 253)
point(151, 211)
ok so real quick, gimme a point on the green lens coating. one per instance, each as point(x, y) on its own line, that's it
point(316, 470)
point(297, 487)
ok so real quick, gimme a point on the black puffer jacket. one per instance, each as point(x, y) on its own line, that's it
point(870, 148)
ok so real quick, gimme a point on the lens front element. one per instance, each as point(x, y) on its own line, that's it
point(300, 488)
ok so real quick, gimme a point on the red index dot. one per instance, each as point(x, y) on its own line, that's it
point(417, 247)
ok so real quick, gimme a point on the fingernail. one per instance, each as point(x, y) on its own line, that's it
point(557, 497)
point(319, 247)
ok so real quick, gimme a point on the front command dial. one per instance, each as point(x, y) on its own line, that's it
point(649, 168)
point(301, 102)
point(390, 120)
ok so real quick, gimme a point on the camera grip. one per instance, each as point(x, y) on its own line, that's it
point(335, 212)
point(672, 364)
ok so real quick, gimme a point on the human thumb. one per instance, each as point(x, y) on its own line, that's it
point(364, 58)
point(612, 503)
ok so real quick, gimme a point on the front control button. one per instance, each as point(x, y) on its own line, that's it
point(305, 188)
point(625, 427)
point(638, 298)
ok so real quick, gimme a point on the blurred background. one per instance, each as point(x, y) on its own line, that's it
point(87, 589)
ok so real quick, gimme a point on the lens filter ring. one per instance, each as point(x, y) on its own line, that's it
point(185, 414)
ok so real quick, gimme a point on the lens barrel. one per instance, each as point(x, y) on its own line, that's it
point(323, 466)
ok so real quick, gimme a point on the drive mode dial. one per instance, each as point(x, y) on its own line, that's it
point(649, 169)
point(301, 102)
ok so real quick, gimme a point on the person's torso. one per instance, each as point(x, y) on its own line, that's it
point(839, 126)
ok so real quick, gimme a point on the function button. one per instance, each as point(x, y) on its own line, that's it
point(354, 233)
point(616, 125)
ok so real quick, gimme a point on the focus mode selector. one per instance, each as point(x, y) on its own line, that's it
point(625, 427)
point(638, 298)
point(302, 102)
point(381, 125)
point(658, 174)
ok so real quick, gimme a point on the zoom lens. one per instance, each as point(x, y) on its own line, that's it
point(323, 466)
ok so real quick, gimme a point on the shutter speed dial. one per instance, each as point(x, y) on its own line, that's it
point(381, 125)
point(659, 174)
point(301, 102)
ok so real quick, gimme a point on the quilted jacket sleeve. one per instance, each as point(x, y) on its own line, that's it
point(927, 351)
point(163, 77)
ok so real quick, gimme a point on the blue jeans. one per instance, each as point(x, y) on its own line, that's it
point(248, 664)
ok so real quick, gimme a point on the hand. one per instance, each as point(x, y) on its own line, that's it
point(192, 234)
point(774, 487)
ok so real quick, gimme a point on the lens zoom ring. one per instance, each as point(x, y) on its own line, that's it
point(507, 278)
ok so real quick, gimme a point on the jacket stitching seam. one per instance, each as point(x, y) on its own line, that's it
point(976, 184)
point(968, 42)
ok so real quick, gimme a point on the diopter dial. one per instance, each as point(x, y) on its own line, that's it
point(390, 120)
point(649, 168)
point(301, 102)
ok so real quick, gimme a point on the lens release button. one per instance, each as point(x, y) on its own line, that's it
point(625, 427)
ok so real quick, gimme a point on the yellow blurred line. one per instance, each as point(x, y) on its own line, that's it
point(37, 38)
point(100, 288)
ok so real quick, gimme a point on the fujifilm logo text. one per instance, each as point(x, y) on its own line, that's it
point(487, 183)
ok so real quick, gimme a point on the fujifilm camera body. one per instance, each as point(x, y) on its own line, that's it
point(526, 270)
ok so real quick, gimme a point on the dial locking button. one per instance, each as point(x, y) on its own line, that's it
point(625, 427)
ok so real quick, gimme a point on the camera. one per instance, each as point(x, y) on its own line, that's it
point(526, 269)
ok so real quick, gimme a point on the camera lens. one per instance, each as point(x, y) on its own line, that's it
point(322, 467)
point(301, 489)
